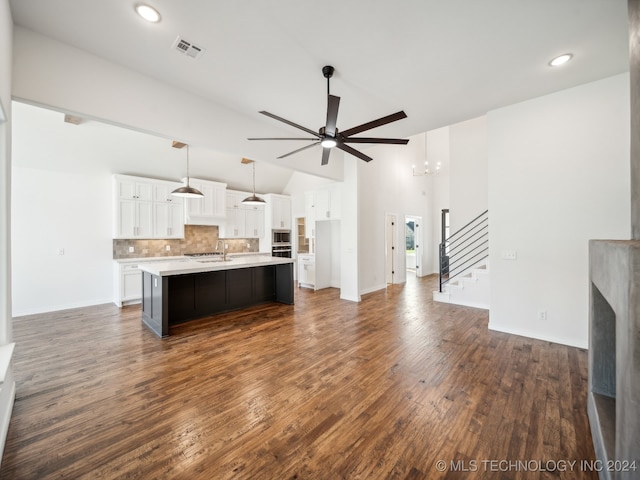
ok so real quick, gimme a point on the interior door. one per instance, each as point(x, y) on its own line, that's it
point(419, 235)
point(391, 223)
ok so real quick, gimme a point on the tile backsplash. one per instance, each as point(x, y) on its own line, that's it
point(197, 239)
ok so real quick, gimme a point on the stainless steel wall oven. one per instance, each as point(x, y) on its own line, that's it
point(281, 243)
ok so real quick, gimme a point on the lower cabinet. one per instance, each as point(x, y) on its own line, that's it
point(127, 283)
point(307, 271)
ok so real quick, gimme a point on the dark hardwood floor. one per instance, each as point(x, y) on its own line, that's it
point(324, 389)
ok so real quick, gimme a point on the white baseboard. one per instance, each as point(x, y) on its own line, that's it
point(373, 289)
point(55, 308)
point(537, 336)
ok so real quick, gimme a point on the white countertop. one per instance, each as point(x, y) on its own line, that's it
point(184, 265)
point(179, 257)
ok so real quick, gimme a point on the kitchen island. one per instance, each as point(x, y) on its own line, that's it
point(180, 290)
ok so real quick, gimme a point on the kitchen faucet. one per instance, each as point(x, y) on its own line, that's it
point(224, 252)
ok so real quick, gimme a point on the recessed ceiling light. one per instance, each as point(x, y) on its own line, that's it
point(150, 14)
point(560, 60)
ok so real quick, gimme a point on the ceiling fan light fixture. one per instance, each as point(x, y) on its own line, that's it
point(560, 60)
point(147, 12)
point(328, 142)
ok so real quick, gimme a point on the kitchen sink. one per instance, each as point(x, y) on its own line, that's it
point(217, 260)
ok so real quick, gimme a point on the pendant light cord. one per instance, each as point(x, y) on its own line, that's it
point(187, 164)
point(254, 178)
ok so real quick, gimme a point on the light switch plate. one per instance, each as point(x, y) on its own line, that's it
point(509, 255)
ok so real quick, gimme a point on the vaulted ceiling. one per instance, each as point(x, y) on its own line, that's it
point(441, 62)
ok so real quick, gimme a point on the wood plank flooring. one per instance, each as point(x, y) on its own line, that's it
point(323, 389)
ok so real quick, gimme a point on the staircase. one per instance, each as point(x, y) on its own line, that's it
point(464, 265)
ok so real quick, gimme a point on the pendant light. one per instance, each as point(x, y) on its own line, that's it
point(187, 191)
point(253, 199)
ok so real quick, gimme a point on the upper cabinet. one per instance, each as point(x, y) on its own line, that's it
point(145, 208)
point(133, 188)
point(328, 202)
point(242, 220)
point(211, 208)
point(310, 214)
point(278, 212)
point(322, 204)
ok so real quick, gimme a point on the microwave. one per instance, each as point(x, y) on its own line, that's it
point(281, 237)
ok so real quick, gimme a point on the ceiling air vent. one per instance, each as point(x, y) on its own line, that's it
point(188, 48)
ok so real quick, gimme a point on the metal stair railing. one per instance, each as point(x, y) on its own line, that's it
point(464, 248)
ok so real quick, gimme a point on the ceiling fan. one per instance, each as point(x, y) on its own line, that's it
point(329, 136)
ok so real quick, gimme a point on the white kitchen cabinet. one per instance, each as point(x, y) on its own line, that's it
point(133, 188)
point(306, 271)
point(242, 220)
point(168, 220)
point(254, 221)
point(133, 207)
point(234, 226)
point(133, 219)
point(209, 209)
point(328, 203)
point(278, 212)
point(310, 214)
point(127, 279)
point(234, 199)
point(168, 211)
point(145, 208)
point(128, 283)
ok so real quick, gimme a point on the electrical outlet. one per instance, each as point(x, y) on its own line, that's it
point(61, 251)
point(131, 249)
point(145, 250)
point(542, 315)
point(168, 248)
point(248, 245)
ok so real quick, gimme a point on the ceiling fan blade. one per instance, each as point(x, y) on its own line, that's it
point(375, 123)
point(396, 141)
point(325, 155)
point(307, 139)
point(283, 120)
point(353, 152)
point(333, 103)
point(299, 149)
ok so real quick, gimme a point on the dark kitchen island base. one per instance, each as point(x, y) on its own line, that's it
point(167, 300)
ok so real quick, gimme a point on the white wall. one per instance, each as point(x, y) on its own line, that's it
point(57, 210)
point(389, 187)
point(558, 176)
point(438, 147)
point(6, 43)
point(350, 232)
point(7, 392)
point(468, 171)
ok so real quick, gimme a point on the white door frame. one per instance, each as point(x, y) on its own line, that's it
point(419, 238)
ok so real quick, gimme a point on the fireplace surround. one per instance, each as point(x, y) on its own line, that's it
point(614, 316)
point(614, 356)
